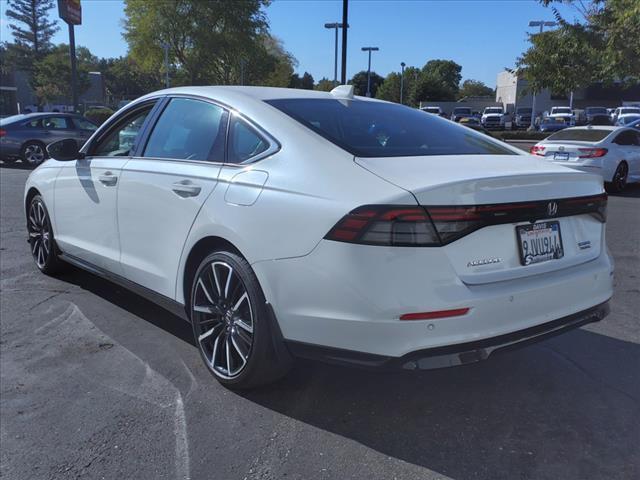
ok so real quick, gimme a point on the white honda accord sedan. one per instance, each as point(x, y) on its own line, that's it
point(285, 223)
point(612, 152)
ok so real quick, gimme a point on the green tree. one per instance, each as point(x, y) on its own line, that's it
point(359, 82)
point(475, 88)
point(123, 78)
point(272, 66)
point(390, 89)
point(31, 29)
point(52, 75)
point(305, 82)
point(207, 40)
point(561, 60)
point(609, 27)
point(325, 85)
point(439, 80)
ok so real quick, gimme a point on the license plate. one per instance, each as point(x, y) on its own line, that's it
point(561, 156)
point(539, 242)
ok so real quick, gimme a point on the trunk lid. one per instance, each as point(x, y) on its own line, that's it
point(495, 252)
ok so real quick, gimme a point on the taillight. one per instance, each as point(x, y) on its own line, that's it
point(389, 225)
point(433, 226)
point(592, 152)
point(537, 150)
point(2, 132)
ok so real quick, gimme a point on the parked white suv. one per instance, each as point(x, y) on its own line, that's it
point(493, 118)
point(562, 114)
point(284, 222)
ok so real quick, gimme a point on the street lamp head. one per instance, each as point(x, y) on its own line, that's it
point(535, 23)
point(550, 24)
point(334, 25)
point(370, 49)
point(402, 64)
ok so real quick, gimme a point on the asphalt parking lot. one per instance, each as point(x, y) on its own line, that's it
point(98, 383)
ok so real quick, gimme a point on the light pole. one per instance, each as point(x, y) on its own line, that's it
point(335, 26)
point(369, 49)
point(402, 65)
point(541, 24)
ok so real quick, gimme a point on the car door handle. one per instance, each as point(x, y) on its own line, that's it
point(186, 188)
point(108, 179)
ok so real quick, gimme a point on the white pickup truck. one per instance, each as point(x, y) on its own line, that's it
point(493, 117)
point(562, 114)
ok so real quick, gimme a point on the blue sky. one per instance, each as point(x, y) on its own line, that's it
point(482, 36)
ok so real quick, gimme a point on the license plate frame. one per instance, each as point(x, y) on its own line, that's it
point(541, 251)
point(561, 156)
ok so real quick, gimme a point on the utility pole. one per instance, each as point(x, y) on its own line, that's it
point(335, 26)
point(345, 21)
point(74, 67)
point(369, 49)
point(541, 24)
point(402, 65)
point(243, 62)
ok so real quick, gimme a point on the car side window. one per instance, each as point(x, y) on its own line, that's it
point(244, 141)
point(626, 138)
point(84, 124)
point(189, 129)
point(56, 123)
point(35, 123)
point(119, 141)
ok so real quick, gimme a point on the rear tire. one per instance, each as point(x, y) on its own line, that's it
point(236, 334)
point(620, 177)
point(41, 239)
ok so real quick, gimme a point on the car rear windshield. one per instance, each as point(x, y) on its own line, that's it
point(581, 135)
point(377, 129)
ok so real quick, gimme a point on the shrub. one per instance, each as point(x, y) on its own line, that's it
point(98, 115)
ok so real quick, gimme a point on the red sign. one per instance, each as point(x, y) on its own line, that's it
point(70, 11)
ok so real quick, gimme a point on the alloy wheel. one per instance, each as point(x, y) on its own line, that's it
point(223, 319)
point(39, 233)
point(34, 154)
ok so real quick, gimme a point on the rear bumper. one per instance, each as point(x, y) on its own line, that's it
point(453, 355)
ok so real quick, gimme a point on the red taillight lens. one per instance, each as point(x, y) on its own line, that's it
point(592, 152)
point(537, 150)
point(2, 132)
point(390, 225)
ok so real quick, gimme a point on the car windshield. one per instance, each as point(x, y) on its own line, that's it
point(561, 110)
point(524, 110)
point(492, 110)
point(380, 129)
point(432, 109)
point(630, 118)
point(596, 111)
point(580, 135)
point(464, 111)
point(626, 111)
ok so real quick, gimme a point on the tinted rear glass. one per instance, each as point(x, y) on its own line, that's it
point(376, 129)
point(590, 135)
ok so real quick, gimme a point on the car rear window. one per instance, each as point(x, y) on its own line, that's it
point(581, 135)
point(378, 129)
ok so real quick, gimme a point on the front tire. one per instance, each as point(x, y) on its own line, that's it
point(620, 177)
point(41, 240)
point(232, 326)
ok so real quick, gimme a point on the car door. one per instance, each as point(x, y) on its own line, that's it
point(628, 143)
point(164, 186)
point(86, 193)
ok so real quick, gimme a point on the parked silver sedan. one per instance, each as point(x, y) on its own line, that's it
point(25, 137)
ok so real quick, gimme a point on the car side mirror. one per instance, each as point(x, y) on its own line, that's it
point(64, 150)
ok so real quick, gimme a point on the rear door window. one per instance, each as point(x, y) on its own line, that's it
point(189, 129)
point(56, 123)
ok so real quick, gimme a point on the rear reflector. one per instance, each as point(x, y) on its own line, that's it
point(2, 132)
point(434, 226)
point(433, 315)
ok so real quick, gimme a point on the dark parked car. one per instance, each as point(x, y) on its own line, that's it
point(25, 137)
point(461, 112)
point(597, 116)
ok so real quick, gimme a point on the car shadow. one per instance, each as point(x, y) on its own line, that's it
point(565, 408)
point(632, 191)
point(17, 165)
